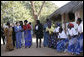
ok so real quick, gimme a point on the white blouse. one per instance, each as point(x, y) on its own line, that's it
point(72, 32)
point(36, 27)
point(56, 29)
point(18, 27)
point(62, 35)
point(80, 28)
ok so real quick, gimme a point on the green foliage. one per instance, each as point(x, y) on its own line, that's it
point(21, 10)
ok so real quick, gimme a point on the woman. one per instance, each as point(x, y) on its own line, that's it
point(79, 44)
point(31, 28)
point(18, 29)
point(72, 33)
point(62, 40)
point(8, 33)
point(45, 43)
point(49, 30)
point(27, 34)
point(55, 34)
point(38, 32)
point(22, 40)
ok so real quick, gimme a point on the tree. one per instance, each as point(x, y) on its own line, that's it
point(22, 10)
point(14, 10)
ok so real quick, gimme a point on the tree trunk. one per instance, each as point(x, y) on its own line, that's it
point(35, 15)
point(33, 10)
point(41, 9)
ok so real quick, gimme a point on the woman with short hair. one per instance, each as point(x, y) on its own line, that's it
point(18, 29)
point(27, 34)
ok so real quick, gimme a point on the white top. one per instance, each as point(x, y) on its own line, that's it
point(72, 32)
point(80, 28)
point(18, 27)
point(36, 28)
point(56, 29)
point(62, 35)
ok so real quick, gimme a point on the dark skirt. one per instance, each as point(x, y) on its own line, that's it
point(52, 41)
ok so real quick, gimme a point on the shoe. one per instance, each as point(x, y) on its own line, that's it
point(29, 46)
point(40, 46)
point(11, 49)
point(25, 47)
point(36, 47)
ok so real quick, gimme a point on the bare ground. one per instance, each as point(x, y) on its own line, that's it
point(33, 51)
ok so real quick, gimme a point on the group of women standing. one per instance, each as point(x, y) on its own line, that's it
point(18, 29)
point(71, 41)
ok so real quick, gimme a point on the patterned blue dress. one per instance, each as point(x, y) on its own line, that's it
point(61, 44)
point(49, 41)
point(18, 36)
point(27, 36)
point(72, 45)
point(79, 44)
point(53, 40)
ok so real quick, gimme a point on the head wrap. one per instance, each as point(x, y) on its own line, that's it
point(71, 25)
point(58, 24)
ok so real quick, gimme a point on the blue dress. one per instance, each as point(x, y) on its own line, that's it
point(61, 44)
point(28, 38)
point(45, 43)
point(50, 41)
point(72, 45)
point(54, 41)
point(18, 36)
point(79, 44)
point(27, 35)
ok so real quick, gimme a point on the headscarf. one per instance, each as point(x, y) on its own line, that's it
point(71, 25)
point(58, 24)
point(49, 23)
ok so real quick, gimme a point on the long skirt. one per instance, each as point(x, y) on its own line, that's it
point(28, 38)
point(45, 43)
point(61, 45)
point(72, 45)
point(79, 44)
point(9, 44)
point(50, 41)
point(18, 39)
point(54, 41)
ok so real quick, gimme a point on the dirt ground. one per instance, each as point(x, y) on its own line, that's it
point(33, 51)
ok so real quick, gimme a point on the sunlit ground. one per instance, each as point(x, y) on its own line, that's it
point(33, 40)
point(33, 51)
